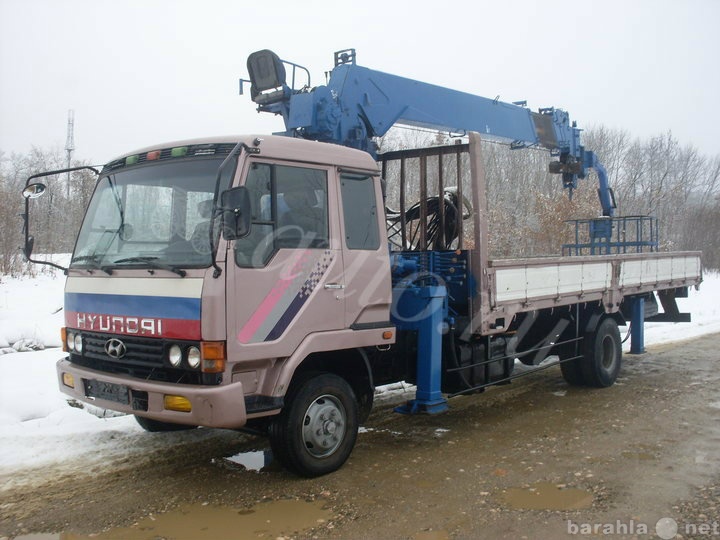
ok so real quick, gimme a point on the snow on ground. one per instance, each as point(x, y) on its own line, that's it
point(38, 428)
point(30, 311)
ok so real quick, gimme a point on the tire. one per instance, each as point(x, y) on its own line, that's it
point(316, 431)
point(572, 372)
point(603, 355)
point(154, 426)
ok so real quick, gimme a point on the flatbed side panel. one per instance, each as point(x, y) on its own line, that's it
point(669, 269)
point(525, 285)
point(554, 280)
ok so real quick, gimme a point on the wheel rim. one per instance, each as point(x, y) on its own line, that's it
point(324, 426)
point(608, 353)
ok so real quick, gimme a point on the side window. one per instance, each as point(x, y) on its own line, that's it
point(289, 210)
point(302, 207)
point(360, 211)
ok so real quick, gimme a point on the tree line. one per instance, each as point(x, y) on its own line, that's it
point(527, 206)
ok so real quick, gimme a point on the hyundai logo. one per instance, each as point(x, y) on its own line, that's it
point(115, 348)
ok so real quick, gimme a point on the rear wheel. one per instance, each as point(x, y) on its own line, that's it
point(316, 431)
point(572, 372)
point(603, 355)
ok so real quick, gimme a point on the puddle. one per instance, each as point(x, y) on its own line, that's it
point(265, 520)
point(258, 460)
point(547, 496)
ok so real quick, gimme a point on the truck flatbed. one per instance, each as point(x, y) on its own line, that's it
point(518, 285)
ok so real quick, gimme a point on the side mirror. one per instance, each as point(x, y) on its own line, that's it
point(236, 212)
point(33, 191)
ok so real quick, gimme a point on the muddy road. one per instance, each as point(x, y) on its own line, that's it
point(534, 459)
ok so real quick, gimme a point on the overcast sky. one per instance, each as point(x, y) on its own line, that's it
point(150, 71)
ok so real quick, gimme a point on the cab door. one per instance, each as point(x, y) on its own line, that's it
point(285, 277)
point(366, 258)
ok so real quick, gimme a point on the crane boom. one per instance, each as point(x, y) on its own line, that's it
point(359, 103)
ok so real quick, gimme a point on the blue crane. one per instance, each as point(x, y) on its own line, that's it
point(358, 104)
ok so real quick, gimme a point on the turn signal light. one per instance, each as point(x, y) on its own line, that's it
point(213, 356)
point(213, 350)
point(63, 338)
point(213, 366)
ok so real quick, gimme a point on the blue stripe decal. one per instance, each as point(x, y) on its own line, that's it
point(159, 307)
point(286, 318)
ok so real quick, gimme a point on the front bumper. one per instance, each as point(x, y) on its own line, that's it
point(212, 406)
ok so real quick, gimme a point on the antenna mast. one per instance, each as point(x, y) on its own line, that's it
point(69, 146)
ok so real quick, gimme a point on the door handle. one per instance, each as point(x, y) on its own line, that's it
point(334, 286)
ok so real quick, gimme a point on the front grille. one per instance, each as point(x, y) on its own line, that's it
point(145, 359)
point(147, 352)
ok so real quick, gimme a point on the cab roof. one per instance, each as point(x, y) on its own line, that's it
point(270, 146)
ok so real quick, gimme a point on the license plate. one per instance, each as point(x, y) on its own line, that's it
point(108, 391)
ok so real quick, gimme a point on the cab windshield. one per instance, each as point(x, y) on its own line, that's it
point(152, 216)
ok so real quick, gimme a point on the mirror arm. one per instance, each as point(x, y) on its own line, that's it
point(61, 171)
point(48, 263)
point(27, 250)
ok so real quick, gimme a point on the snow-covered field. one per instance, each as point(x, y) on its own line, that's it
point(38, 428)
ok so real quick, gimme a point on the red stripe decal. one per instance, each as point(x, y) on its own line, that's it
point(134, 326)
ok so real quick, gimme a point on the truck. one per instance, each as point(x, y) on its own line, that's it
point(259, 282)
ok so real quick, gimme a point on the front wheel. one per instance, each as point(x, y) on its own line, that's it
point(603, 355)
point(316, 431)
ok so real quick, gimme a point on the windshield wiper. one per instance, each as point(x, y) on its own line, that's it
point(151, 262)
point(94, 261)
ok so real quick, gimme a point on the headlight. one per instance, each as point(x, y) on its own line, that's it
point(78, 343)
point(175, 355)
point(70, 341)
point(194, 357)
